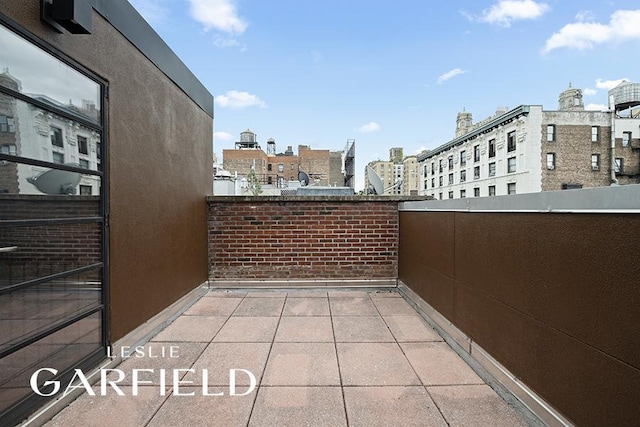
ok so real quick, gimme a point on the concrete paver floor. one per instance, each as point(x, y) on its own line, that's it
point(319, 358)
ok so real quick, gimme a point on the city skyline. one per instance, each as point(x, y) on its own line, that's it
point(390, 74)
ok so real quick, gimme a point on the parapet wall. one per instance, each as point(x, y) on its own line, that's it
point(303, 238)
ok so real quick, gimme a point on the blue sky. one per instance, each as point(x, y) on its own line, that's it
point(387, 73)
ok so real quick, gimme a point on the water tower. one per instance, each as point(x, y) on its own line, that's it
point(248, 140)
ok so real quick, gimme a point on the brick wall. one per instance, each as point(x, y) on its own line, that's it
point(288, 238)
point(45, 249)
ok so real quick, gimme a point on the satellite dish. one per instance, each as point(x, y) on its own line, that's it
point(55, 181)
point(303, 177)
point(376, 182)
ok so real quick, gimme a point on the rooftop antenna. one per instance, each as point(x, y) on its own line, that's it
point(375, 182)
point(303, 177)
point(56, 181)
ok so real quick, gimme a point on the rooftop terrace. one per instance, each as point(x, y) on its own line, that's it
point(321, 357)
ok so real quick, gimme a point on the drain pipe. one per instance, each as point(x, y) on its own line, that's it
point(612, 107)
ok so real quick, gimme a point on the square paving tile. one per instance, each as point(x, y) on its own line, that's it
point(474, 405)
point(220, 357)
point(304, 329)
point(306, 307)
point(298, 406)
point(260, 307)
point(302, 364)
point(374, 364)
point(199, 410)
point(248, 329)
point(393, 306)
point(127, 410)
point(352, 306)
point(266, 294)
point(307, 294)
point(361, 329)
point(213, 306)
point(411, 328)
point(391, 406)
point(192, 329)
point(437, 364)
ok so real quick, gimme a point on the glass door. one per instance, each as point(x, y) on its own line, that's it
point(52, 222)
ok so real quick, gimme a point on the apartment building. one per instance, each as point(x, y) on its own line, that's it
point(528, 149)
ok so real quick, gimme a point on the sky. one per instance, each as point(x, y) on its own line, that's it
point(391, 74)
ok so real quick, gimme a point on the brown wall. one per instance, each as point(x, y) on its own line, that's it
point(553, 297)
point(302, 238)
point(160, 150)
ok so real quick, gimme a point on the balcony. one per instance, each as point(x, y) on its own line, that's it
point(511, 310)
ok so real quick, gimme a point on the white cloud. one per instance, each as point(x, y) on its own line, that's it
point(153, 11)
point(589, 92)
point(608, 84)
point(624, 25)
point(369, 128)
point(218, 14)
point(585, 16)
point(223, 42)
point(596, 107)
point(222, 136)
point(238, 100)
point(450, 74)
point(504, 12)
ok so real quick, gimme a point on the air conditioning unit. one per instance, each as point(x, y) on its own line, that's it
point(595, 167)
point(551, 167)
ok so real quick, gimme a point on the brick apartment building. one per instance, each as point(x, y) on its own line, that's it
point(528, 149)
point(324, 167)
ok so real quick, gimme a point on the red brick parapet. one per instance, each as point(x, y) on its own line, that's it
point(305, 238)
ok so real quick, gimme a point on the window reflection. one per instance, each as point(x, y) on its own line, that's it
point(27, 69)
point(19, 178)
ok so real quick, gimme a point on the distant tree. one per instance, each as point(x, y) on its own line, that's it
point(253, 183)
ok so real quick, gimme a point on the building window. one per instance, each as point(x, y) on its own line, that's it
point(492, 169)
point(98, 150)
point(426, 184)
point(269, 180)
point(492, 190)
point(595, 133)
point(492, 148)
point(269, 167)
point(463, 194)
point(8, 149)
point(551, 161)
point(551, 133)
point(280, 167)
point(450, 162)
point(433, 182)
point(626, 139)
point(83, 147)
point(476, 192)
point(476, 172)
point(439, 196)
point(450, 178)
point(58, 158)
point(433, 168)
point(511, 188)
point(511, 141)
point(476, 153)
point(425, 172)
point(84, 163)
point(56, 136)
point(7, 124)
point(85, 190)
point(440, 166)
point(440, 181)
point(619, 165)
point(511, 164)
point(451, 194)
point(463, 175)
point(463, 158)
point(595, 162)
